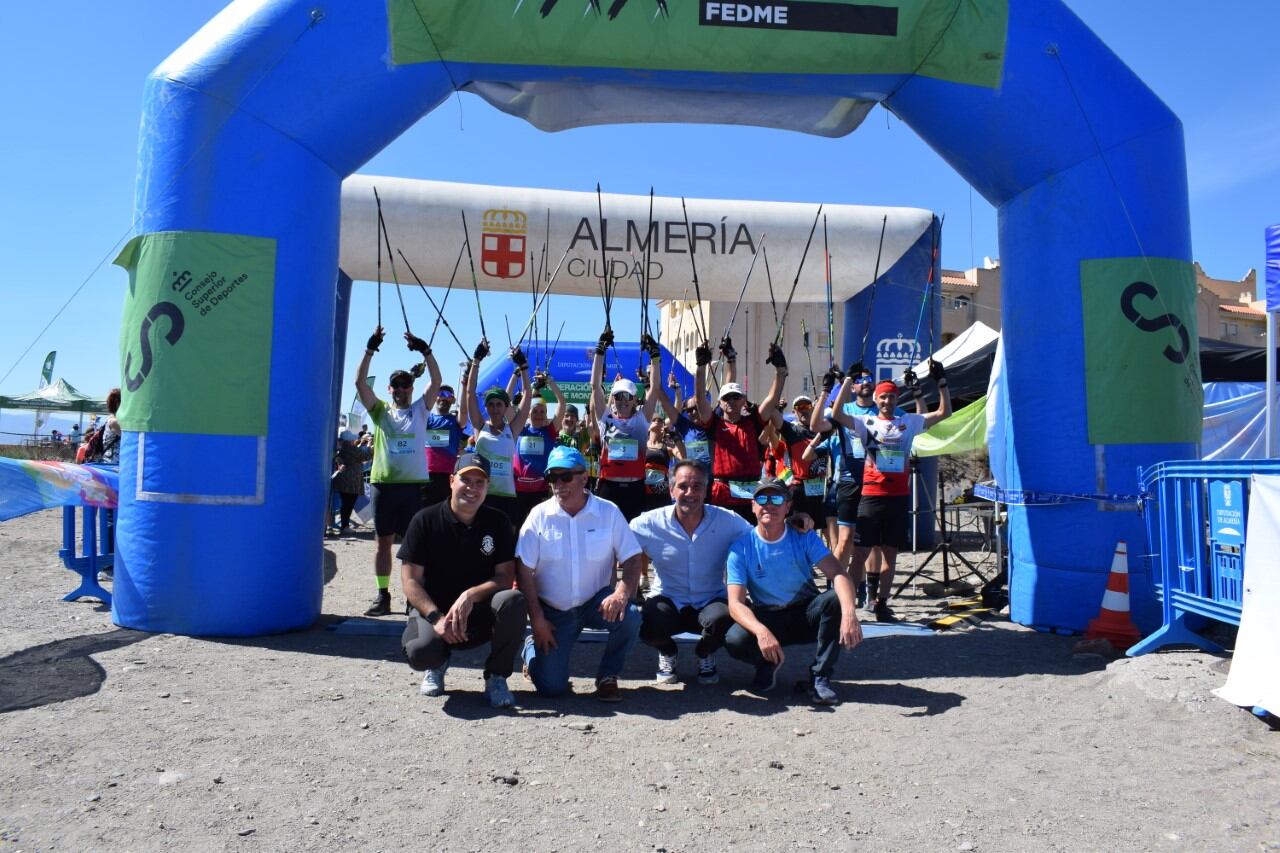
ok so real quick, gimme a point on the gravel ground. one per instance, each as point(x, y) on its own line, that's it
point(988, 737)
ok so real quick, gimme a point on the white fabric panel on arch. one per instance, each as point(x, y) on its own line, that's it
point(1234, 420)
point(1253, 680)
point(961, 346)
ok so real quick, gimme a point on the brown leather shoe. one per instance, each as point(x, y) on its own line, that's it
point(607, 690)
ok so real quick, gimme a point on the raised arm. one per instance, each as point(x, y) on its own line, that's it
point(779, 361)
point(367, 398)
point(657, 394)
point(597, 374)
point(838, 414)
point(521, 416)
point(474, 412)
point(702, 355)
point(558, 422)
point(938, 375)
point(418, 345)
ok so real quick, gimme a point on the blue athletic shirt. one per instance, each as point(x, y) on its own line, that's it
point(696, 442)
point(444, 435)
point(776, 573)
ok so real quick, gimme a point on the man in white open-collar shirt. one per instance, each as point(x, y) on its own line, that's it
point(566, 554)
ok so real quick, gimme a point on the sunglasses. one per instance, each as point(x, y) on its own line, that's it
point(623, 397)
point(561, 476)
point(775, 499)
point(732, 398)
point(448, 398)
point(401, 386)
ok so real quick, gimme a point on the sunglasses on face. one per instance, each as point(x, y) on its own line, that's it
point(623, 397)
point(774, 499)
point(401, 386)
point(560, 476)
point(445, 398)
point(732, 398)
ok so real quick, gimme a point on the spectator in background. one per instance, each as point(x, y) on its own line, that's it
point(111, 431)
point(348, 480)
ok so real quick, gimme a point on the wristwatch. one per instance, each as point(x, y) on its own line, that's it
point(433, 617)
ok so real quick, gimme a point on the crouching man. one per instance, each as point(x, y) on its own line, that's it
point(774, 565)
point(569, 546)
point(457, 564)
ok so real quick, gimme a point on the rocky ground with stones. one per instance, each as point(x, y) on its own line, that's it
point(987, 737)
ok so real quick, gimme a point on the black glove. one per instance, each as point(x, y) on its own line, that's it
point(482, 349)
point(776, 357)
point(375, 340)
point(417, 344)
point(937, 373)
point(702, 355)
point(727, 350)
point(649, 346)
point(519, 359)
point(606, 339)
point(829, 380)
point(417, 370)
point(910, 379)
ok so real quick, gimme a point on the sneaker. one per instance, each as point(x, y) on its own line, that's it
point(666, 669)
point(381, 605)
point(433, 683)
point(607, 689)
point(495, 688)
point(820, 692)
point(766, 677)
point(707, 673)
point(882, 612)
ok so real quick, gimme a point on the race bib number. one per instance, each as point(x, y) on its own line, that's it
point(742, 488)
point(700, 450)
point(891, 461)
point(438, 438)
point(531, 445)
point(499, 468)
point(855, 444)
point(655, 479)
point(624, 449)
point(814, 488)
point(400, 444)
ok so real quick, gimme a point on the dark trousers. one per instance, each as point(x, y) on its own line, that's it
point(500, 621)
point(437, 488)
point(663, 620)
point(804, 622)
point(348, 504)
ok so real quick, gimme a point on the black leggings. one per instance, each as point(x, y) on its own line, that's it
point(348, 504)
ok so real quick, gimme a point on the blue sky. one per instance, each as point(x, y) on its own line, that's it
point(73, 96)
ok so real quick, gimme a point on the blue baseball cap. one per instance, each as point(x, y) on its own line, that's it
point(567, 458)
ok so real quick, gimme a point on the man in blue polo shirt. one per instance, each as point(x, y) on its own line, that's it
point(774, 565)
point(687, 544)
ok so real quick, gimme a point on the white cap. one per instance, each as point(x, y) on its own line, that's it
point(731, 388)
point(621, 386)
point(800, 397)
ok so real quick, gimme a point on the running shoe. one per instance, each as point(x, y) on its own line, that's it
point(381, 605)
point(820, 692)
point(607, 689)
point(707, 673)
point(666, 669)
point(883, 613)
point(433, 682)
point(766, 677)
point(495, 689)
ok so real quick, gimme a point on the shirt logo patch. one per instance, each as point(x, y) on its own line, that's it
point(486, 545)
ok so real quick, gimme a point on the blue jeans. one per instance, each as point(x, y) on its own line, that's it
point(550, 669)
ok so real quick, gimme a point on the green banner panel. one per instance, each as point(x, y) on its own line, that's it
point(965, 430)
point(1141, 353)
point(195, 344)
point(962, 41)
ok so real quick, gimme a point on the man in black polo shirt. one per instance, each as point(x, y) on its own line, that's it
point(455, 555)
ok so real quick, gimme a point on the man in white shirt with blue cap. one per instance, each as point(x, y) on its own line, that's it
point(566, 556)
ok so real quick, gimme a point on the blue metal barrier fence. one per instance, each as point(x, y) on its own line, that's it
point(1196, 512)
point(89, 552)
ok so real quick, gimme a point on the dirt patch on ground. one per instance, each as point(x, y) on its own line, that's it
point(987, 737)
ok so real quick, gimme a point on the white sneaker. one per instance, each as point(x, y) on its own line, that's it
point(666, 669)
point(433, 682)
point(707, 673)
point(495, 688)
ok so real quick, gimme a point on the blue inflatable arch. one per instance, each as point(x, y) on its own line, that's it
point(251, 126)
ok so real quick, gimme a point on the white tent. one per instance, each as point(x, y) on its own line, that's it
point(961, 347)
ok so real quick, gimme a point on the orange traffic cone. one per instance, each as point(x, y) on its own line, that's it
point(1113, 623)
